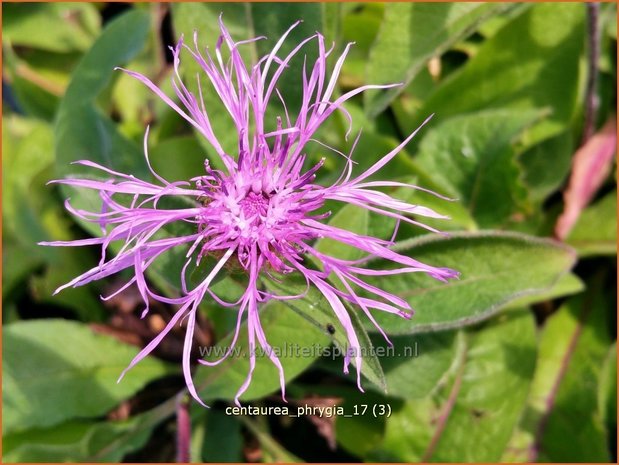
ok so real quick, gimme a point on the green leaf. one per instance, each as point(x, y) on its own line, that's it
point(85, 441)
point(567, 284)
point(31, 215)
point(165, 271)
point(577, 336)
point(360, 24)
point(562, 420)
point(166, 155)
point(17, 264)
point(471, 157)
point(496, 268)
point(331, 23)
point(69, 372)
point(57, 27)
point(74, 441)
point(595, 232)
point(472, 417)
point(414, 366)
point(607, 393)
point(82, 131)
point(416, 363)
point(370, 148)
point(411, 34)
point(531, 63)
point(28, 152)
point(223, 441)
point(546, 165)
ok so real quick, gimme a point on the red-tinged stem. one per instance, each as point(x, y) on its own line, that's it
point(535, 449)
point(183, 430)
point(448, 407)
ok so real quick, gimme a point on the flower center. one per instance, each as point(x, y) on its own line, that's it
point(254, 205)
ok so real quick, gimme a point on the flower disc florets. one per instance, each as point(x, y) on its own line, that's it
point(261, 208)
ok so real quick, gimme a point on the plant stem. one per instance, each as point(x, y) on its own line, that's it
point(593, 55)
point(183, 430)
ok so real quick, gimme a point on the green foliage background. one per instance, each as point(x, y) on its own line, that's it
point(516, 361)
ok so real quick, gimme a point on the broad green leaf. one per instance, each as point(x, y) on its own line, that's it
point(496, 268)
point(572, 351)
point(416, 363)
point(458, 215)
point(406, 433)
point(65, 265)
point(223, 441)
point(84, 132)
point(414, 366)
point(493, 25)
point(74, 441)
point(562, 421)
point(27, 152)
point(31, 215)
point(567, 284)
point(471, 157)
point(360, 24)
point(331, 23)
point(292, 339)
point(472, 417)
point(69, 372)
point(359, 434)
point(595, 232)
point(531, 63)
point(317, 311)
point(546, 165)
point(178, 158)
point(56, 27)
point(411, 34)
point(131, 99)
point(85, 440)
point(17, 264)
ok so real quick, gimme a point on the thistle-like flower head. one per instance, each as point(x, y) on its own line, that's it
point(261, 209)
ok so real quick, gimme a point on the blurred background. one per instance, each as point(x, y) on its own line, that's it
point(517, 362)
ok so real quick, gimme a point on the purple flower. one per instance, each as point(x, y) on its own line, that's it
point(261, 211)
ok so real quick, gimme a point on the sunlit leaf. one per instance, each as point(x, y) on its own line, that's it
point(495, 269)
point(69, 372)
point(82, 131)
point(411, 34)
point(532, 62)
point(472, 417)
